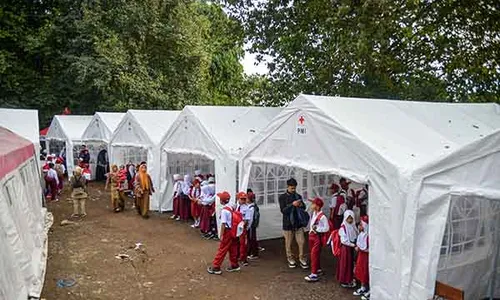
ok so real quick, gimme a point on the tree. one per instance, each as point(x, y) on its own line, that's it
point(419, 50)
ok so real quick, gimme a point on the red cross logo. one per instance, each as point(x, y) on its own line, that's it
point(301, 120)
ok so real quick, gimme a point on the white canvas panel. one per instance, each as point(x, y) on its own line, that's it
point(102, 126)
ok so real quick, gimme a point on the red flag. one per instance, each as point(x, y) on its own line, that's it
point(66, 111)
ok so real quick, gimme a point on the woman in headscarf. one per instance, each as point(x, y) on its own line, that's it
point(143, 186)
point(79, 194)
point(115, 181)
point(185, 202)
point(345, 265)
point(194, 196)
point(207, 200)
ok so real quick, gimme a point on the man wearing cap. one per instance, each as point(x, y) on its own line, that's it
point(228, 243)
point(293, 208)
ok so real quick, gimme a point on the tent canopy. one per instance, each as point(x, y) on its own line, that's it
point(397, 147)
point(23, 122)
point(14, 150)
point(68, 127)
point(102, 126)
point(143, 127)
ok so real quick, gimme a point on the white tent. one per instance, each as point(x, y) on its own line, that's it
point(23, 230)
point(98, 134)
point(23, 122)
point(65, 132)
point(210, 138)
point(433, 171)
point(137, 138)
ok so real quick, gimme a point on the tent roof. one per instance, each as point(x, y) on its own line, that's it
point(68, 127)
point(14, 150)
point(233, 126)
point(23, 122)
point(155, 123)
point(408, 134)
point(110, 120)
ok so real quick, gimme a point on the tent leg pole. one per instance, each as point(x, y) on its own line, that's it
point(495, 266)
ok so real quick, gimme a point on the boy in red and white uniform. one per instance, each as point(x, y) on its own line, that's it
point(318, 225)
point(242, 207)
point(228, 243)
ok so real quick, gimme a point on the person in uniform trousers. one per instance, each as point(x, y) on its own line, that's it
point(194, 196)
point(318, 225)
point(252, 244)
point(345, 264)
point(176, 196)
point(228, 243)
point(361, 270)
point(53, 181)
point(242, 207)
point(207, 202)
point(185, 202)
point(143, 190)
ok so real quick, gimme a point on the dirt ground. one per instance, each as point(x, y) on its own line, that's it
point(171, 264)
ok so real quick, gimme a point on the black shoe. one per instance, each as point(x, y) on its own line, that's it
point(245, 263)
point(213, 271)
point(292, 264)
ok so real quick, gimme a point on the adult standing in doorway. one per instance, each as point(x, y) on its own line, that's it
point(295, 219)
point(84, 155)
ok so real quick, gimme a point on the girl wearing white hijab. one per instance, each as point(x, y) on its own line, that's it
point(185, 202)
point(206, 200)
point(176, 197)
point(345, 265)
point(361, 269)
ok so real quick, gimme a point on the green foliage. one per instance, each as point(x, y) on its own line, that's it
point(112, 55)
point(421, 49)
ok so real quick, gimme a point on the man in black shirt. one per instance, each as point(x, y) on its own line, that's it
point(293, 209)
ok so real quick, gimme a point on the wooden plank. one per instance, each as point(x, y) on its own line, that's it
point(448, 292)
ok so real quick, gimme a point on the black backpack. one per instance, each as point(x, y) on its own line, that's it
point(78, 182)
point(256, 216)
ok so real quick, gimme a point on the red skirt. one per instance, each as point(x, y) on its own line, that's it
point(195, 209)
point(176, 206)
point(361, 271)
point(184, 207)
point(345, 265)
point(205, 215)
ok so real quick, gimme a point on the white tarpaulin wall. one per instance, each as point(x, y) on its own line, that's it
point(413, 155)
point(98, 134)
point(69, 130)
point(216, 133)
point(23, 122)
point(137, 138)
point(23, 234)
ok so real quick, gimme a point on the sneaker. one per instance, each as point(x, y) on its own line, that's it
point(177, 218)
point(210, 236)
point(292, 264)
point(311, 278)
point(252, 257)
point(261, 249)
point(172, 217)
point(320, 272)
point(193, 226)
point(348, 285)
point(214, 271)
point(359, 292)
point(233, 269)
point(215, 238)
point(245, 263)
point(366, 296)
point(304, 265)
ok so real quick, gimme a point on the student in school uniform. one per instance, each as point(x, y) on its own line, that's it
point(228, 243)
point(361, 270)
point(53, 181)
point(185, 202)
point(242, 207)
point(253, 216)
point(207, 201)
point(318, 225)
point(59, 167)
point(194, 196)
point(345, 264)
point(336, 201)
point(177, 191)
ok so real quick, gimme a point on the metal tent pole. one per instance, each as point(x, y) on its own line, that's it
point(495, 265)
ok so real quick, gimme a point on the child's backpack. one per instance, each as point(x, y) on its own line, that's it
point(324, 237)
point(256, 216)
point(59, 170)
point(237, 224)
point(335, 243)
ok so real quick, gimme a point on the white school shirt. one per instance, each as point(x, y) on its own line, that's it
point(177, 188)
point(226, 216)
point(333, 200)
point(243, 208)
point(322, 224)
point(53, 174)
point(249, 214)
